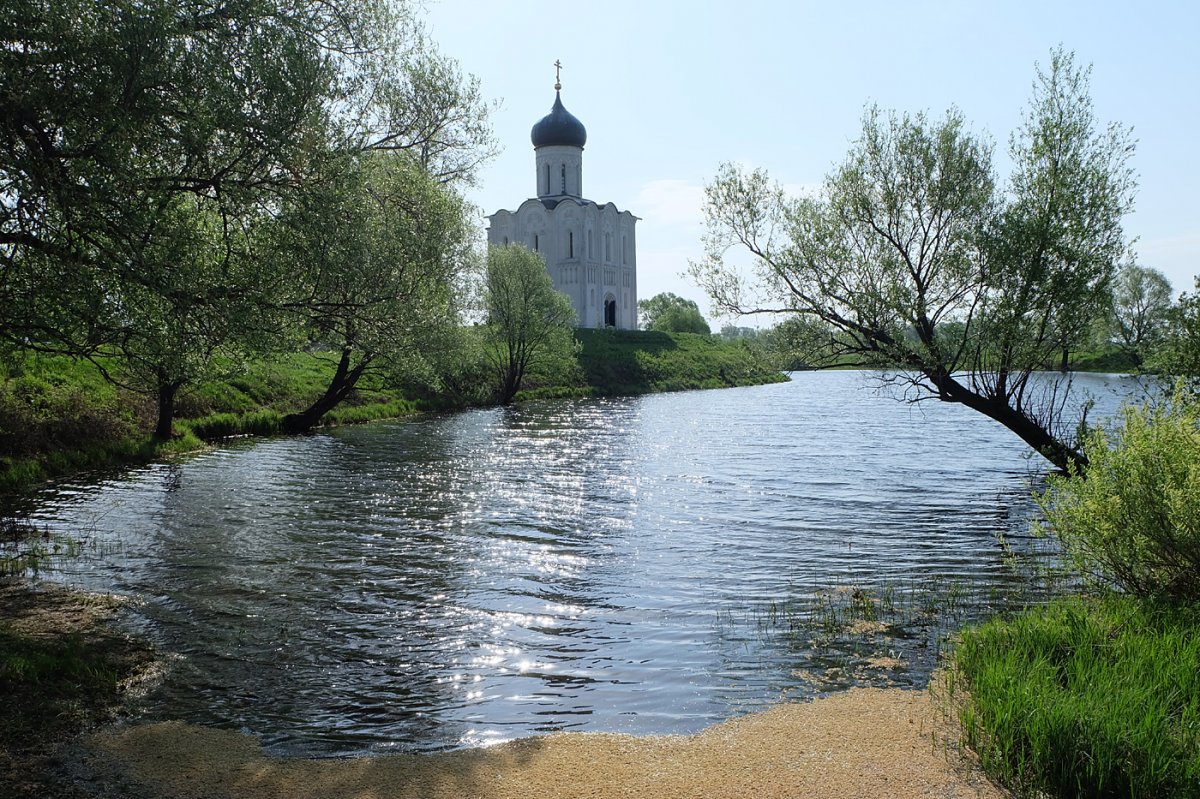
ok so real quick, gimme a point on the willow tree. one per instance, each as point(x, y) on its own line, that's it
point(139, 143)
point(527, 319)
point(1141, 307)
point(921, 264)
point(379, 255)
point(144, 143)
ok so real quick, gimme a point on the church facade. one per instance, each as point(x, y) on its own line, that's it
point(590, 249)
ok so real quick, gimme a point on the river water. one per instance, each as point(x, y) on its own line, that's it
point(646, 565)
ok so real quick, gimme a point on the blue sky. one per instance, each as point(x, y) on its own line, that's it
point(669, 90)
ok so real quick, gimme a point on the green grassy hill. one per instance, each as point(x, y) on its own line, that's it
point(59, 415)
point(621, 362)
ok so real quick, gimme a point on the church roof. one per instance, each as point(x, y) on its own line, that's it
point(559, 127)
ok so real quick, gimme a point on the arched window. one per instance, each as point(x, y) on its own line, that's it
point(564, 179)
point(570, 244)
point(535, 242)
point(547, 189)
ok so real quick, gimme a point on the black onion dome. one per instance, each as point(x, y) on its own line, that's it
point(559, 127)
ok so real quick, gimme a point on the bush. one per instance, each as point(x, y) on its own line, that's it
point(1134, 522)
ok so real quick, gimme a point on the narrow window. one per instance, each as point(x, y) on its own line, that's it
point(564, 179)
point(570, 244)
point(591, 249)
point(607, 246)
point(547, 190)
point(535, 242)
point(506, 241)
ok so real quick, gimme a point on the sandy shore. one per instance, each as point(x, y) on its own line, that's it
point(861, 743)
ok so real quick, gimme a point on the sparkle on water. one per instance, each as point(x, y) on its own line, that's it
point(643, 565)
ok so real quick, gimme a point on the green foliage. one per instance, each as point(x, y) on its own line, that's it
point(1178, 354)
point(146, 193)
point(670, 313)
point(371, 412)
point(799, 343)
point(527, 319)
point(383, 249)
point(916, 259)
point(65, 418)
point(1087, 699)
point(1141, 304)
point(227, 425)
point(1134, 522)
point(54, 403)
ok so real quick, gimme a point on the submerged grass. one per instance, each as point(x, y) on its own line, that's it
point(62, 670)
point(873, 633)
point(1092, 698)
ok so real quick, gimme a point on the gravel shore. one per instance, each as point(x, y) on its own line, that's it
point(861, 743)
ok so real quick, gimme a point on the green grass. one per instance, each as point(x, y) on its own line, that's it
point(60, 416)
point(1095, 698)
point(625, 362)
point(1111, 359)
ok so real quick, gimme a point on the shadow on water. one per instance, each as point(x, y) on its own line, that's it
point(643, 565)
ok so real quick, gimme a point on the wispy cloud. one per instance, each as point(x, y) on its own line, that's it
point(671, 202)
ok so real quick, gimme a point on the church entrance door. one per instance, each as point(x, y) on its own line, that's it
point(610, 311)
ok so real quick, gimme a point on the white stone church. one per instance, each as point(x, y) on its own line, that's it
point(589, 249)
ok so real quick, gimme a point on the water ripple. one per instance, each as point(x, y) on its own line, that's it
point(646, 565)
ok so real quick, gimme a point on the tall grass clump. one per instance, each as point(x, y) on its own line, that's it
point(1087, 699)
point(1133, 521)
point(1099, 696)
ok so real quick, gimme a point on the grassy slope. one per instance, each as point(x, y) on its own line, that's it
point(59, 415)
point(617, 362)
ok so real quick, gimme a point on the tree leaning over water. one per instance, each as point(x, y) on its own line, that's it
point(382, 249)
point(916, 260)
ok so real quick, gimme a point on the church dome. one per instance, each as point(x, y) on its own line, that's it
point(559, 127)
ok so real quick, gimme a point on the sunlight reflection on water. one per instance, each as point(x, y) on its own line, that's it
point(646, 565)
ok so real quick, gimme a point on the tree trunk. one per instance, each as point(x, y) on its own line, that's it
point(343, 382)
point(167, 389)
point(1065, 366)
point(1029, 431)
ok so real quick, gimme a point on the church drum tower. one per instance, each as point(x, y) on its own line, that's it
point(589, 249)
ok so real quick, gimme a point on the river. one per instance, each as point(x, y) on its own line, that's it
point(646, 565)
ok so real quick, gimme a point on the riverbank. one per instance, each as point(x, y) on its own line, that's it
point(60, 416)
point(864, 742)
point(63, 670)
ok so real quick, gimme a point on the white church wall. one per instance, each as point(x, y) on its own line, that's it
point(589, 249)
